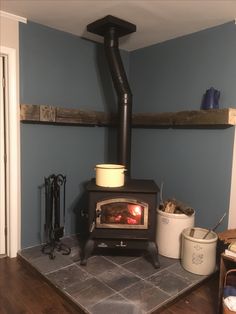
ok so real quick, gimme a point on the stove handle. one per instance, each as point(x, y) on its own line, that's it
point(92, 226)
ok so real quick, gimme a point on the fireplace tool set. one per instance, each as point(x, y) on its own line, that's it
point(53, 215)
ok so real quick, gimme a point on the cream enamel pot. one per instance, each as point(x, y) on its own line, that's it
point(110, 175)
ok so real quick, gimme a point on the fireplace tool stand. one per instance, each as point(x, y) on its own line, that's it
point(53, 229)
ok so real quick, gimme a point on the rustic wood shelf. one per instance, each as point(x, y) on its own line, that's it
point(213, 118)
point(57, 115)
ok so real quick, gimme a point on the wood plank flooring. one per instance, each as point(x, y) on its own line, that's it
point(22, 290)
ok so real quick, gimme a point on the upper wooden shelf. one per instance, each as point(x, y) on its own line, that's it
point(213, 118)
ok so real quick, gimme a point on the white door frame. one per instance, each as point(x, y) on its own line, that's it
point(13, 199)
point(2, 161)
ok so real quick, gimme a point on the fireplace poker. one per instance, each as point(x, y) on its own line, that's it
point(214, 228)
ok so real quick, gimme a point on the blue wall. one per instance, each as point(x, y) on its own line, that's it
point(173, 75)
point(60, 69)
point(195, 165)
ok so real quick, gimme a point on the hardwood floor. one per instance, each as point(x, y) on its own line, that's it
point(22, 290)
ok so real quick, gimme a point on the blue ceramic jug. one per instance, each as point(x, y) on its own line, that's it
point(211, 99)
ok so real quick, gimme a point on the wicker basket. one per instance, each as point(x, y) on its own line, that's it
point(230, 280)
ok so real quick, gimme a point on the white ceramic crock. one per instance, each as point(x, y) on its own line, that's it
point(169, 229)
point(198, 255)
point(110, 175)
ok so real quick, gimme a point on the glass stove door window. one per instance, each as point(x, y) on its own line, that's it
point(123, 213)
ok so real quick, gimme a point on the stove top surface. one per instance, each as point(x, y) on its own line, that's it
point(131, 185)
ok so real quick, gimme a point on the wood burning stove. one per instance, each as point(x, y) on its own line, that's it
point(122, 218)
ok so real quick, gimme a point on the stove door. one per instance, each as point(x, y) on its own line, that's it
point(122, 213)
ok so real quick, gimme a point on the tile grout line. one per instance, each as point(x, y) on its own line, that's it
point(136, 258)
point(63, 267)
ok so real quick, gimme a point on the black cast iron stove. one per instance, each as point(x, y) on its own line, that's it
point(124, 217)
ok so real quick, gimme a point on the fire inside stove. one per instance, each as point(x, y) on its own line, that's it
point(122, 213)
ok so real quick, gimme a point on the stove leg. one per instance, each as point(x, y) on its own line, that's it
point(88, 249)
point(153, 251)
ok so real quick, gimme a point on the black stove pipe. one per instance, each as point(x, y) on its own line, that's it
point(120, 81)
point(111, 28)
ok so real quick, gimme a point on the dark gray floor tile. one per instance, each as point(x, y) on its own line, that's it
point(32, 252)
point(44, 264)
point(145, 295)
point(169, 282)
point(118, 278)
point(96, 265)
point(89, 292)
point(115, 305)
point(166, 261)
point(179, 270)
point(68, 276)
point(141, 267)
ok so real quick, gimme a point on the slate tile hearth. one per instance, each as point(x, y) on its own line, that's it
point(112, 283)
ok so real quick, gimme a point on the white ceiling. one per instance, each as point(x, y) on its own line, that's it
point(156, 20)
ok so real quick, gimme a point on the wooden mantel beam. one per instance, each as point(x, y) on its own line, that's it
point(214, 118)
point(57, 115)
